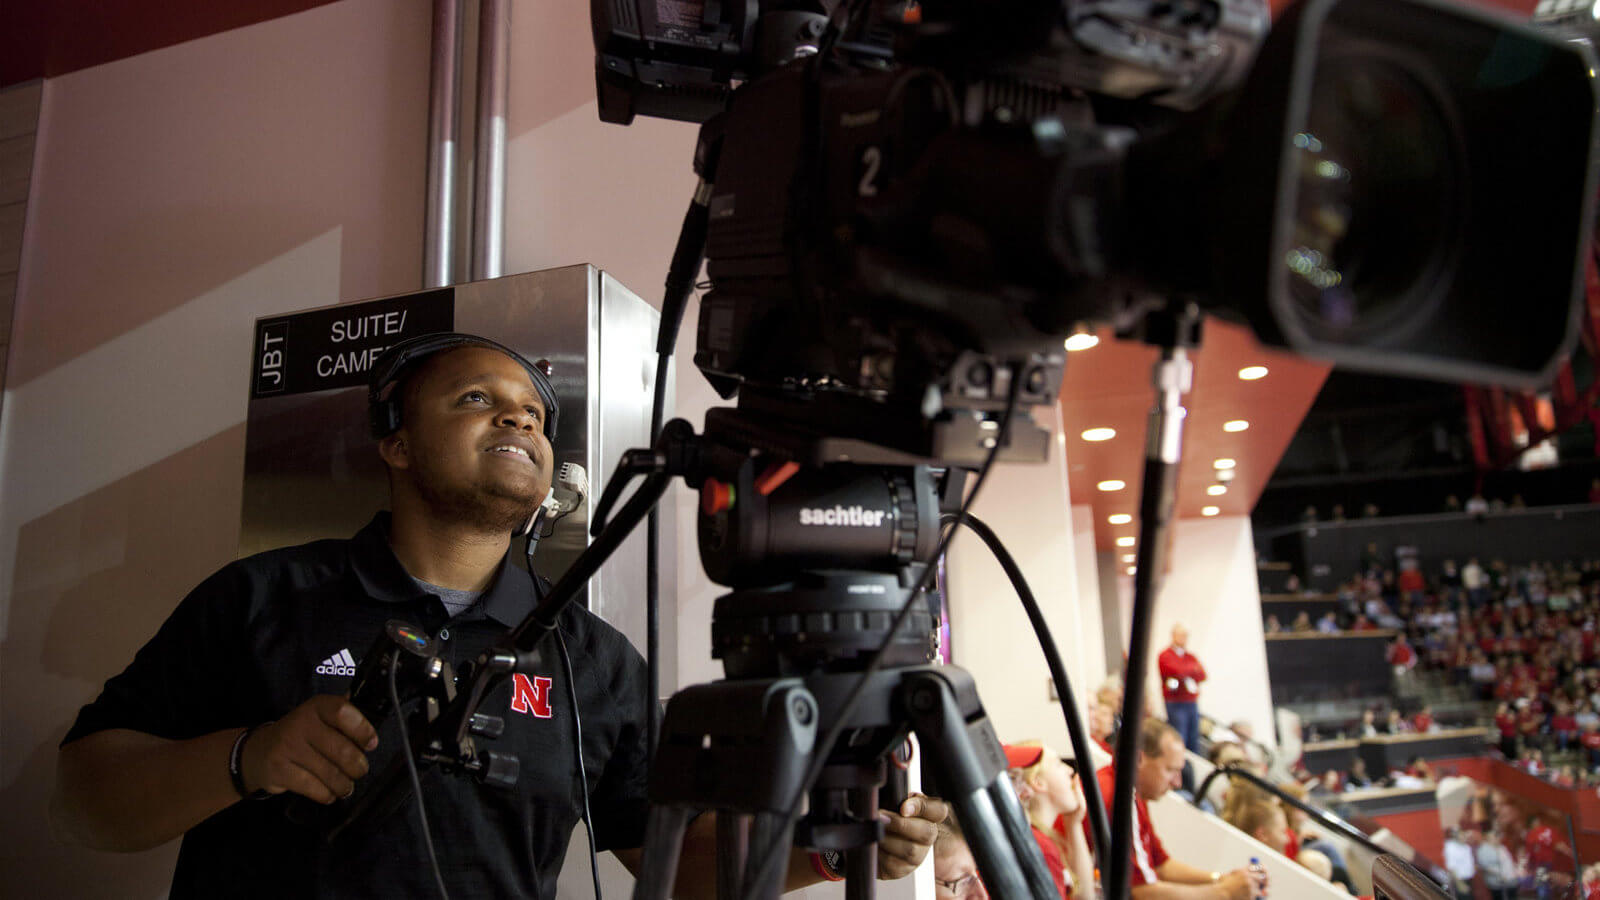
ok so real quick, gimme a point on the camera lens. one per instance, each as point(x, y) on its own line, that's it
point(1377, 211)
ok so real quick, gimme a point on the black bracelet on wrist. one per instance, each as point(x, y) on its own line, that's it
point(236, 765)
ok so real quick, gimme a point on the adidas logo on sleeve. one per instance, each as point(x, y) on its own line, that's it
point(340, 663)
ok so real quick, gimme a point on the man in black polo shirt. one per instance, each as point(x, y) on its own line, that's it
point(241, 692)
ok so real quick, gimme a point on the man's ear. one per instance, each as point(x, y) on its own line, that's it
point(394, 452)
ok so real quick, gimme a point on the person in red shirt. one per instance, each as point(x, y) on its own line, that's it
point(1049, 792)
point(1153, 873)
point(1422, 722)
point(1181, 674)
point(1540, 843)
point(1506, 722)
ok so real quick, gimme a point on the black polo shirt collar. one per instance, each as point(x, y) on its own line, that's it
point(508, 600)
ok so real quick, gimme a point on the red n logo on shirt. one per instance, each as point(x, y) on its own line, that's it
point(530, 695)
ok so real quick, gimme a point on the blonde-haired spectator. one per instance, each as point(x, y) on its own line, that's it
point(1050, 792)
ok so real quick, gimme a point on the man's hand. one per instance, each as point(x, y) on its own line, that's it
point(318, 750)
point(1242, 884)
point(909, 835)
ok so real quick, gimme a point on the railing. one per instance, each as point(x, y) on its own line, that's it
point(1395, 879)
point(1320, 816)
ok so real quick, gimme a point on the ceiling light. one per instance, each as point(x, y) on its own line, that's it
point(1131, 570)
point(1217, 490)
point(1209, 511)
point(1251, 373)
point(1099, 434)
point(1235, 425)
point(1128, 557)
point(1224, 475)
point(1111, 484)
point(1119, 519)
point(1124, 542)
point(1083, 340)
point(1223, 463)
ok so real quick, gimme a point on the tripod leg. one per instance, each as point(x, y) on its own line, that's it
point(769, 826)
point(733, 847)
point(970, 765)
point(663, 839)
point(861, 864)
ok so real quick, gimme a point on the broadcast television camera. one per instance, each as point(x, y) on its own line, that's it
point(944, 190)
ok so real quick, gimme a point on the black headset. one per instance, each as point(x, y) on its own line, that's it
point(399, 361)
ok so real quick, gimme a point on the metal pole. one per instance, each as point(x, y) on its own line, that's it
point(444, 107)
point(489, 179)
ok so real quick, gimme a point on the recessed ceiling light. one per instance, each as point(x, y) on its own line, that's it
point(1131, 570)
point(1119, 519)
point(1099, 434)
point(1217, 490)
point(1128, 557)
point(1209, 511)
point(1083, 340)
point(1124, 542)
point(1235, 425)
point(1111, 484)
point(1223, 463)
point(1251, 373)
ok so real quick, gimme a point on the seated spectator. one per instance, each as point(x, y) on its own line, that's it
point(955, 872)
point(1222, 753)
point(1306, 835)
point(1302, 623)
point(1272, 625)
point(1369, 723)
point(1395, 723)
point(1358, 777)
point(1422, 722)
point(1476, 505)
point(1159, 766)
point(1589, 889)
point(1049, 792)
point(1329, 623)
point(1317, 863)
point(1418, 768)
point(1260, 817)
point(1101, 720)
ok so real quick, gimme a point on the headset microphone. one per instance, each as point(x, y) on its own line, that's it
point(567, 493)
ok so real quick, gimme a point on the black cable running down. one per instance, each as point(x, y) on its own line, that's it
point(411, 766)
point(652, 563)
point(773, 851)
point(687, 258)
point(577, 731)
point(1100, 830)
point(583, 774)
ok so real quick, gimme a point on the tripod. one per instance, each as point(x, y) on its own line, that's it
point(793, 638)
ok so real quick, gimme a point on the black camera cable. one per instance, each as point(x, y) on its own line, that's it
point(773, 851)
point(1099, 828)
point(411, 767)
point(577, 728)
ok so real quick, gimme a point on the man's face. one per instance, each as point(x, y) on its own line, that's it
point(1162, 772)
point(1180, 636)
point(472, 439)
point(955, 873)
